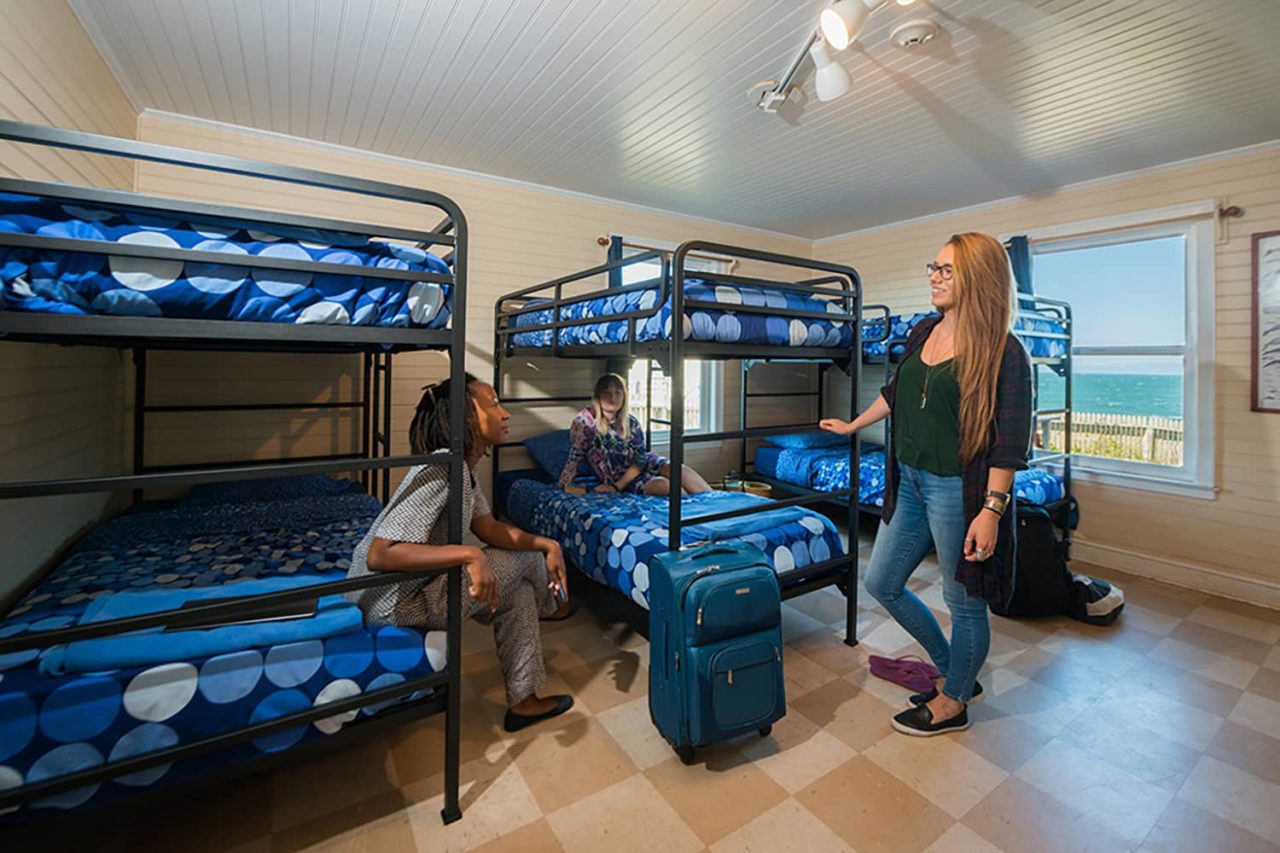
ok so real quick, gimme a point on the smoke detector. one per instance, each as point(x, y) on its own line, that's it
point(913, 33)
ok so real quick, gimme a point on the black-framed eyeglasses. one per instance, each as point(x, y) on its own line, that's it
point(946, 271)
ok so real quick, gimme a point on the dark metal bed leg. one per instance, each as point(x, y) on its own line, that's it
point(366, 413)
point(139, 415)
point(452, 718)
point(386, 427)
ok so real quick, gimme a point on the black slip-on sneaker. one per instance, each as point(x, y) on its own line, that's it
point(923, 698)
point(514, 722)
point(918, 722)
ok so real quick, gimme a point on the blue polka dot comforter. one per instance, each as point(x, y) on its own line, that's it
point(827, 470)
point(60, 282)
point(612, 538)
point(50, 726)
point(700, 324)
point(1025, 325)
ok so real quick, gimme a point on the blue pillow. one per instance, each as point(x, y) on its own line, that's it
point(806, 440)
point(550, 450)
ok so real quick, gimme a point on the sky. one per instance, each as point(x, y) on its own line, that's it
point(1127, 294)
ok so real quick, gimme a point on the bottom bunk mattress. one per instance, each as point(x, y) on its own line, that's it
point(827, 470)
point(54, 722)
point(612, 537)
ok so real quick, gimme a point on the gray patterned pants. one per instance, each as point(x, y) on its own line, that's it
point(522, 597)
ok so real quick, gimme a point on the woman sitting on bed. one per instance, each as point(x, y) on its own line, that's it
point(609, 437)
point(517, 579)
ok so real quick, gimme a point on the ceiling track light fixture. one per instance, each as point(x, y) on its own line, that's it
point(838, 26)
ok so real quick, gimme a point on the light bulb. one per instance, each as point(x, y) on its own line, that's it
point(831, 79)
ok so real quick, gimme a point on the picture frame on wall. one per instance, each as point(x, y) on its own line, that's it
point(1266, 322)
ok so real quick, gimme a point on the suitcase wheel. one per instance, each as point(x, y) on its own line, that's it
point(685, 751)
point(765, 732)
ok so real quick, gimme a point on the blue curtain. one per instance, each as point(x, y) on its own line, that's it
point(1019, 249)
point(619, 366)
point(615, 254)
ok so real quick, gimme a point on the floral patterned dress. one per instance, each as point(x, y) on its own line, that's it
point(609, 454)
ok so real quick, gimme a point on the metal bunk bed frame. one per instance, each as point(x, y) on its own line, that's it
point(375, 460)
point(840, 282)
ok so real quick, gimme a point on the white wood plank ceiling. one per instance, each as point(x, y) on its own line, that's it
point(646, 100)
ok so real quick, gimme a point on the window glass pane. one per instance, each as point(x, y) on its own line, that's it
point(1125, 407)
point(693, 396)
point(1127, 294)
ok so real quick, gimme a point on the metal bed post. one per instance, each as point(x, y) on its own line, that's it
point(1068, 417)
point(648, 409)
point(386, 425)
point(855, 474)
point(139, 416)
point(457, 393)
point(675, 375)
point(745, 373)
point(366, 412)
point(375, 387)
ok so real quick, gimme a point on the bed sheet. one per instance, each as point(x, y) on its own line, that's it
point(700, 324)
point(53, 725)
point(1026, 322)
point(612, 538)
point(60, 282)
point(827, 470)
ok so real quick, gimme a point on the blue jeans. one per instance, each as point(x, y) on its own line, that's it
point(929, 514)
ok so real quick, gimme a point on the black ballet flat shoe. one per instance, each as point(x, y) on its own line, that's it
point(514, 722)
point(925, 698)
point(918, 722)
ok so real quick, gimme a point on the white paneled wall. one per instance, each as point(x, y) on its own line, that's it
point(60, 409)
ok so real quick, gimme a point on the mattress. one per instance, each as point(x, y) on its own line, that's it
point(725, 325)
point(61, 282)
point(1028, 326)
point(827, 470)
point(51, 725)
point(612, 538)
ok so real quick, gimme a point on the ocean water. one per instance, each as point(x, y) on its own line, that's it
point(1116, 393)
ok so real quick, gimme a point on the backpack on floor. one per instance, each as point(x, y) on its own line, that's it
point(1043, 584)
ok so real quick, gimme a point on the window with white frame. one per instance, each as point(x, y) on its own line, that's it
point(702, 379)
point(1141, 298)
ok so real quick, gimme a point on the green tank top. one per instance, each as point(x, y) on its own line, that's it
point(926, 416)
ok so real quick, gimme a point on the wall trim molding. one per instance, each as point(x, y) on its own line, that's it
point(1199, 577)
point(484, 177)
point(1199, 160)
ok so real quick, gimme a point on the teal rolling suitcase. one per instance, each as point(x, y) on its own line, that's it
point(715, 645)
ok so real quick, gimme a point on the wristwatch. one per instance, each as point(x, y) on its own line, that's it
point(997, 502)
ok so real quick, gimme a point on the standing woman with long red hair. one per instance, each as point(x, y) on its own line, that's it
point(960, 426)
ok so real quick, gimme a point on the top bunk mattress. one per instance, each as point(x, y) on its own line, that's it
point(50, 281)
point(700, 324)
point(1029, 326)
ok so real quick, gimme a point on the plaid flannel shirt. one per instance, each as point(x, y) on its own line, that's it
point(1009, 447)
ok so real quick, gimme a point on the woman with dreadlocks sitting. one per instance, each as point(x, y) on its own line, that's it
point(511, 583)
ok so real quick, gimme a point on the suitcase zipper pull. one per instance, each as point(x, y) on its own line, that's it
point(731, 676)
point(698, 621)
point(677, 660)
